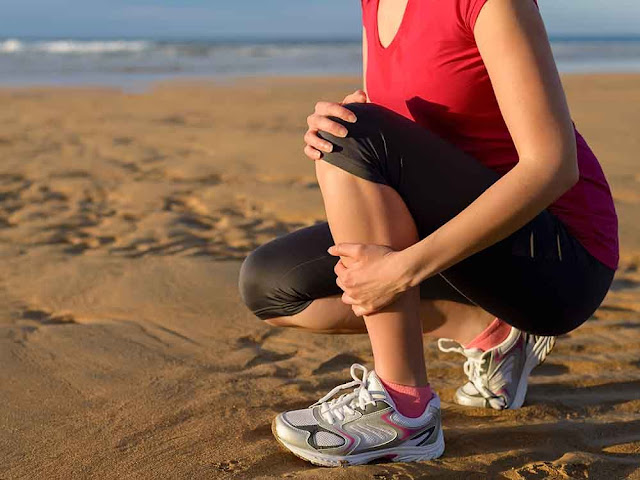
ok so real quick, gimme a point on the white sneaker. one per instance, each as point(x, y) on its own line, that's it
point(498, 378)
point(360, 426)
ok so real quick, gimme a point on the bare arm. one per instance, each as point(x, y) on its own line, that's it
point(514, 45)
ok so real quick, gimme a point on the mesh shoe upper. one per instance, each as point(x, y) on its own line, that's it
point(363, 420)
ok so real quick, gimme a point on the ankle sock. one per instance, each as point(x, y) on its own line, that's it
point(492, 336)
point(410, 401)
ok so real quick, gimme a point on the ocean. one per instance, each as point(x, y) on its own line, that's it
point(133, 63)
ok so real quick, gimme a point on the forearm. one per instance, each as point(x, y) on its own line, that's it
point(506, 206)
point(512, 40)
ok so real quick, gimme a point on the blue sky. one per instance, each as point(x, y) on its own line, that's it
point(275, 18)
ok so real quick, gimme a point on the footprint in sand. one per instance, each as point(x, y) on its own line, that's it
point(259, 433)
point(546, 470)
point(230, 466)
point(12, 186)
point(47, 318)
point(262, 355)
point(339, 363)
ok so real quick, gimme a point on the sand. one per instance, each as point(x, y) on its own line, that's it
point(126, 352)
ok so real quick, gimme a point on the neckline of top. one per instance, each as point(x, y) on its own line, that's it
point(401, 27)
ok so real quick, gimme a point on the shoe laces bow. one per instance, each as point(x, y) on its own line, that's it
point(332, 409)
point(475, 370)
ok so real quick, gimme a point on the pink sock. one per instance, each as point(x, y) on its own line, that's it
point(410, 401)
point(492, 336)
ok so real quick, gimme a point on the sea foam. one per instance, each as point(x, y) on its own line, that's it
point(13, 45)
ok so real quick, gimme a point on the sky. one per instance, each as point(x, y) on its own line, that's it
point(263, 18)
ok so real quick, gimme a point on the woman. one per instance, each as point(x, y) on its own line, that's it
point(462, 203)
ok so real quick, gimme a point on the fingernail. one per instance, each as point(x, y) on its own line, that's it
point(353, 119)
point(328, 147)
point(344, 132)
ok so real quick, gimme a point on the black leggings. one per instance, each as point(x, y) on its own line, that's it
point(540, 279)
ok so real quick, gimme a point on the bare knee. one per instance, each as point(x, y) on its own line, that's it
point(333, 179)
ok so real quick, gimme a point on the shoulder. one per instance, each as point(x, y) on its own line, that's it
point(469, 10)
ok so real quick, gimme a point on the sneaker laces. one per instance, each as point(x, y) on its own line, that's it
point(474, 370)
point(338, 408)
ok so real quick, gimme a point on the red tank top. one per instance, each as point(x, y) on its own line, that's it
point(433, 74)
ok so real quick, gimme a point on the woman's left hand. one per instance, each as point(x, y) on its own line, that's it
point(374, 278)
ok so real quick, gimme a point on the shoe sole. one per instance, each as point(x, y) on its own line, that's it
point(397, 454)
point(538, 354)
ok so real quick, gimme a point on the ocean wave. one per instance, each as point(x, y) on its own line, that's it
point(258, 51)
point(11, 45)
point(63, 47)
point(203, 49)
point(114, 46)
point(263, 51)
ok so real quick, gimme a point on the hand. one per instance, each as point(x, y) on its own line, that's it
point(374, 278)
point(318, 121)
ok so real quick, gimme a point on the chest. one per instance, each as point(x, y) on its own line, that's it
point(390, 16)
point(420, 54)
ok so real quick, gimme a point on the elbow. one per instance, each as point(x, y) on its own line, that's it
point(570, 173)
point(567, 170)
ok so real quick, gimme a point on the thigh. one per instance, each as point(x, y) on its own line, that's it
point(439, 288)
point(540, 279)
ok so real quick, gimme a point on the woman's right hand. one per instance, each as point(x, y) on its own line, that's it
point(319, 121)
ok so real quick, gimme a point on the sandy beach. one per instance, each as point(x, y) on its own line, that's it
point(126, 352)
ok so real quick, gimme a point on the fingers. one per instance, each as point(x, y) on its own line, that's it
point(320, 122)
point(312, 139)
point(359, 311)
point(351, 250)
point(341, 272)
point(316, 146)
point(312, 153)
point(331, 109)
point(348, 300)
point(359, 96)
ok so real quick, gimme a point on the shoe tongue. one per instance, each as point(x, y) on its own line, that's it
point(375, 387)
point(474, 352)
point(448, 345)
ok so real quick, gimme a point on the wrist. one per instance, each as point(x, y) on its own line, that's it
point(410, 271)
point(415, 267)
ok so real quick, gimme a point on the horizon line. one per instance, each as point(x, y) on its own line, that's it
point(282, 38)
